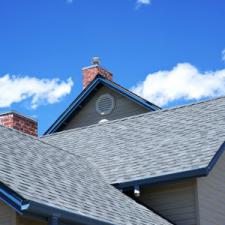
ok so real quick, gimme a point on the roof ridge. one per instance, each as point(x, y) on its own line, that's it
point(136, 116)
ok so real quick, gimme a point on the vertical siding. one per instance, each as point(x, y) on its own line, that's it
point(174, 201)
point(211, 195)
point(88, 115)
point(7, 215)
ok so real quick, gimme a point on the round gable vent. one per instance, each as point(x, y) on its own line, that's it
point(105, 104)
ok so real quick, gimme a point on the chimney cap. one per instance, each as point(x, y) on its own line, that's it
point(18, 114)
point(95, 60)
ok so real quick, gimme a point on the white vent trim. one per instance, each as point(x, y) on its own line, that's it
point(105, 104)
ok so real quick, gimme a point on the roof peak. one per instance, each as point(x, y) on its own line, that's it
point(97, 82)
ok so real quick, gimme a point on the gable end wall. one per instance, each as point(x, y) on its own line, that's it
point(124, 107)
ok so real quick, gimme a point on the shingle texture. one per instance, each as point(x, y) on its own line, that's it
point(45, 174)
point(150, 145)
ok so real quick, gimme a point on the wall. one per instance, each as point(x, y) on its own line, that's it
point(88, 115)
point(175, 201)
point(7, 215)
point(211, 195)
point(25, 221)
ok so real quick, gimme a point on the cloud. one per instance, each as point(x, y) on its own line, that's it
point(223, 55)
point(15, 89)
point(183, 82)
point(143, 2)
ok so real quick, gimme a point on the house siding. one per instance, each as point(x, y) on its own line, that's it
point(7, 215)
point(26, 221)
point(88, 115)
point(174, 201)
point(211, 195)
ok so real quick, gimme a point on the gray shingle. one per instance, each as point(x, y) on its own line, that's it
point(152, 144)
point(48, 175)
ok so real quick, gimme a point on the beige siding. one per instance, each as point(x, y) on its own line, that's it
point(88, 115)
point(7, 215)
point(25, 221)
point(211, 195)
point(174, 201)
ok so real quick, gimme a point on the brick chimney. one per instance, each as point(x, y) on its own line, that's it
point(89, 73)
point(19, 122)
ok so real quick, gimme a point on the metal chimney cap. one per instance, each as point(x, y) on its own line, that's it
point(95, 61)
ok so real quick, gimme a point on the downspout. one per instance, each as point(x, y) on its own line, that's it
point(53, 220)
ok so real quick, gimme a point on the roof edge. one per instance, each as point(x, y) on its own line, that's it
point(216, 157)
point(201, 172)
point(99, 79)
point(45, 210)
point(22, 206)
point(12, 199)
point(165, 178)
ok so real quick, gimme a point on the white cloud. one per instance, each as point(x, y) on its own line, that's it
point(143, 2)
point(183, 82)
point(223, 55)
point(15, 89)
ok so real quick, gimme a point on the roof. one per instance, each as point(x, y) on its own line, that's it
point(86, 94)
point(163, 145)
point(33, 173)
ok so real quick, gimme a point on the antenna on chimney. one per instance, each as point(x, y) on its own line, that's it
point(90, 72)
point(95, 61)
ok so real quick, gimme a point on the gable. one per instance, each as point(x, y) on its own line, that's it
point(87, 93)
point(88, 115)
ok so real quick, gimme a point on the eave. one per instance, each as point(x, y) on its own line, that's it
point(199, 172)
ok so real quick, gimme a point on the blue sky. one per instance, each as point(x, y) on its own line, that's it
point(168, 51)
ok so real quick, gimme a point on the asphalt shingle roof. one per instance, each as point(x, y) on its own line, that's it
point(48, 175)
point(150, 145)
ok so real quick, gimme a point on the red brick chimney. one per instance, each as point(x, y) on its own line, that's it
point(89, 73)
point(19, 122)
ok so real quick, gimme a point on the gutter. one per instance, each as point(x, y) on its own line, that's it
point(52, 214)
point(201, 172)
point(12, 199)
point(56, 214)
point(165, 178)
